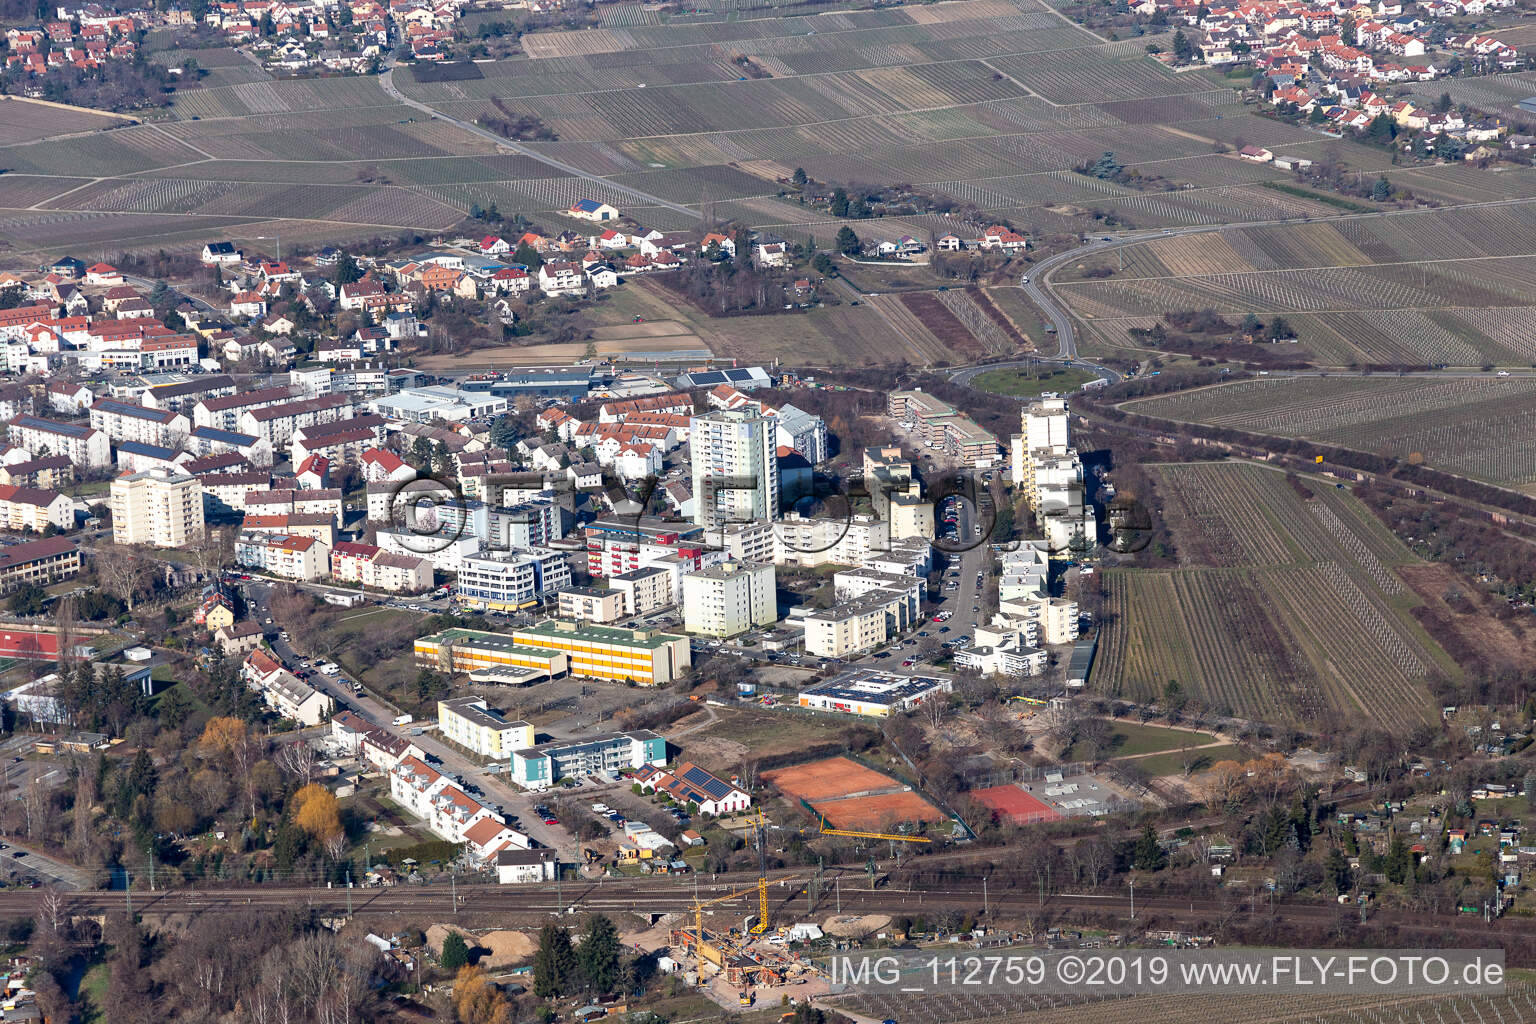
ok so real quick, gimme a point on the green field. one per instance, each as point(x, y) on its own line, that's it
point(1199, 760)
point(1029, 383)
point(1128, 739)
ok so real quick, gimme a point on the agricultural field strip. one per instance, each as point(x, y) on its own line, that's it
point(1289, 557)
point(1465, 425)
point(1257, 272)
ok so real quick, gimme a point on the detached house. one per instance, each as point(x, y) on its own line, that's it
point(562, 279)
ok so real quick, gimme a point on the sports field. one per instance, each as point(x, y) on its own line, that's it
point(827, 779)
point(1016, 805)
point(852, 796)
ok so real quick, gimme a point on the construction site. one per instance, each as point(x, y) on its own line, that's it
point(751, 958)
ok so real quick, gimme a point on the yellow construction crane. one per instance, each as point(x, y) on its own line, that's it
point(870, 835)
point(698, 915)
point(760, 823)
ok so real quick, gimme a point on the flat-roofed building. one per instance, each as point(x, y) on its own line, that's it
point(472, 650)
point(647, 590)
point(873, 693)
point(647, 657)
point(542, 766)
point(728, 599)
point(591, 604)
point(509, 580)
point(160, 507)
point(474, 725)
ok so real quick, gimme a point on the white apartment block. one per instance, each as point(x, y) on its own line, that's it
point(224, 413)
point(284, 555)
point(446, 554)
point(35, 509)
point(728, 599)
point(159, 507)
point(470, 722)
point(277, 423)
point(85, 446)
point(123, 421)
point(649, 588)
point(735, 467)
point(809, 542)
point(998, 651)
point(748, 542)
point(591, 604)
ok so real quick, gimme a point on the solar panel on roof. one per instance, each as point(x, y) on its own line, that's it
point(704, 780)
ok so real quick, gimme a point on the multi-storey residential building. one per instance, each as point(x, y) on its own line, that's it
point(809, 542)
point(294, 558)
point(124, 421)
point(35, 509)
point(160, 507)
point(646, 590)
point(857, 625)
point(224, 412)
point(225, 494)
point(735, 468)
point(509, 580)
point(283, 691)
point(277, 423)
point(804, 432)
point(591, 604)
point(375, 568)
point(1001, 651)
point(84, 445)
point(542, 766)
point(728, 599)
point(342, 441)
point(621, 544)
point(473, 725)
point(940, 425)
point(38, 562)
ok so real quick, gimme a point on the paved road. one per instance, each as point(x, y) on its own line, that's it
point(468, 770)
point(387, 80)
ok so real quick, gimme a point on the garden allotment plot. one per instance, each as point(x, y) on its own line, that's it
point(1283, 609)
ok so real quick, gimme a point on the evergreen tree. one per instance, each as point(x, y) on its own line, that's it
point(526, 255)
point(1147, 854)
point(1398, 862)
point(553, 962)
point(799, 177)
point(598, 954)
point(455, 952)
point(839, 204)
point(1106, 167)
point(1382, 190)
point(847, 242)
point(1336, 871)
point(347, 270)
point(1183, 52)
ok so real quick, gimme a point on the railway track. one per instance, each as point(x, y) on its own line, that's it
point(849, 893)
